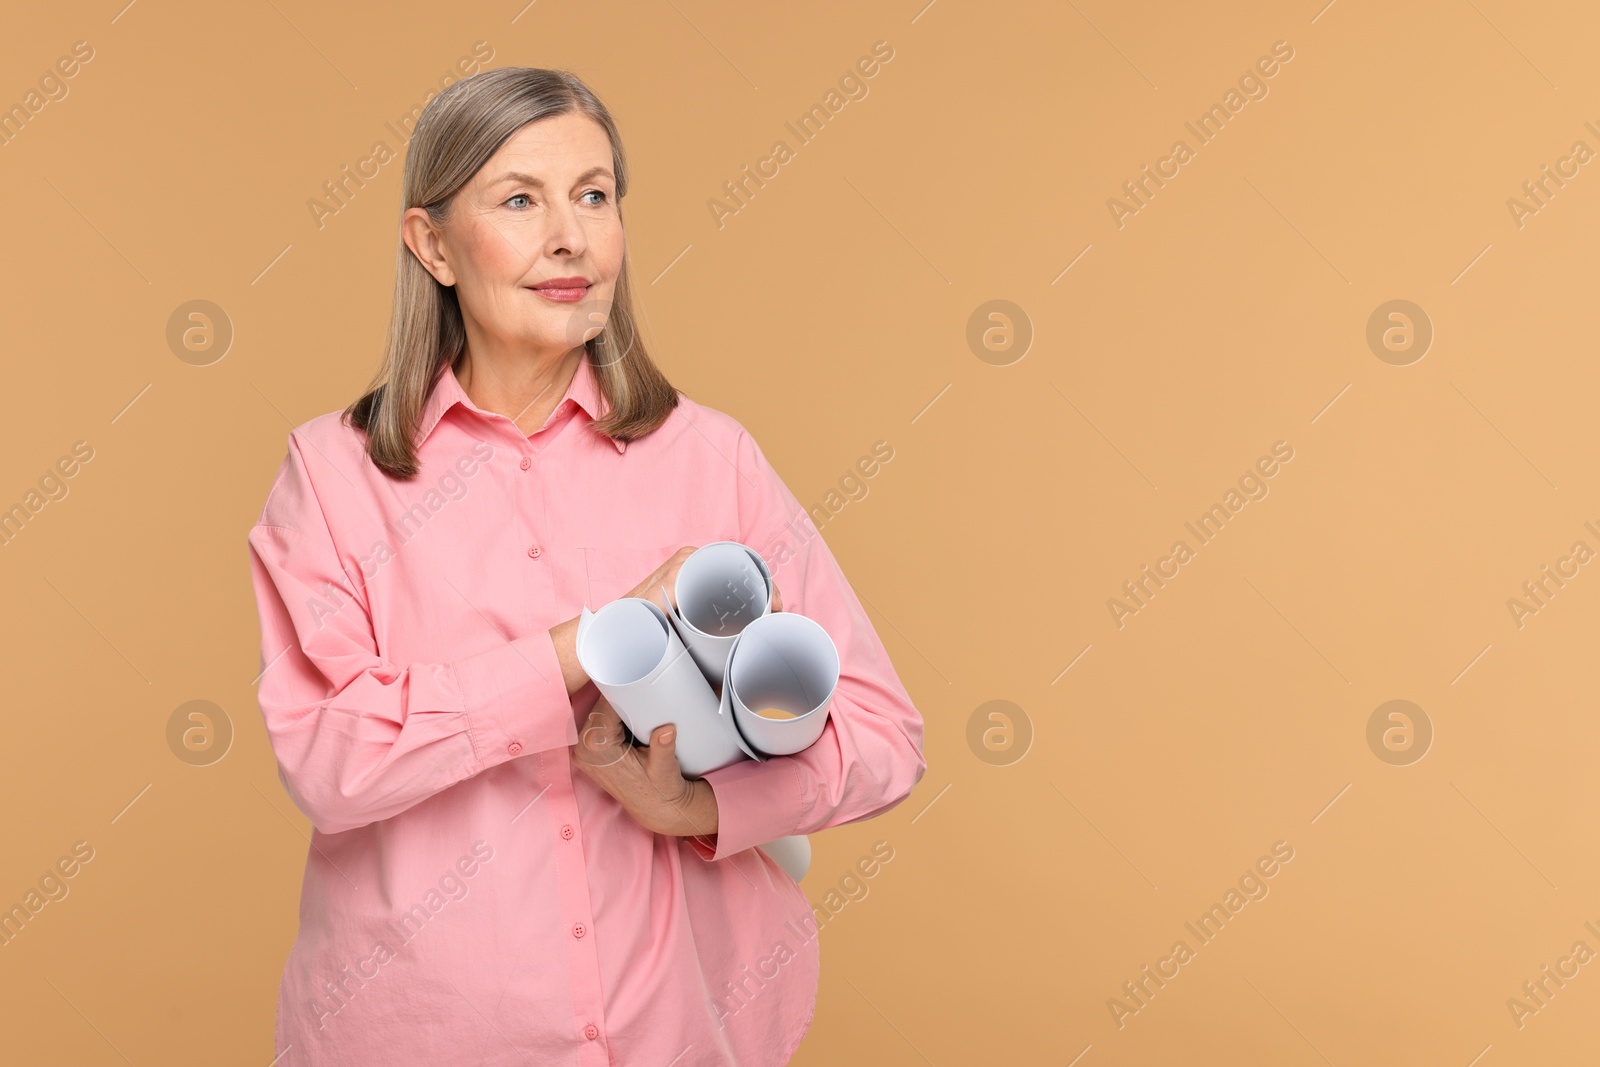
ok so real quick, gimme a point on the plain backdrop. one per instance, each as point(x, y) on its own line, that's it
point(1145, 358)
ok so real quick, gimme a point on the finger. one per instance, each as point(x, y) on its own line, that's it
point(598, 728)
point(661, 758)
point(611, 757)
point(595, 742)
point(601, 713)
point(777, 599)
point(600, 738)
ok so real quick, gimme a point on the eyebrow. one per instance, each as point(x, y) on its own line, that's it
point(528, 179)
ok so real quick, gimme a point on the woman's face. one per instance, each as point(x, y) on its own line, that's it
point(542, 209)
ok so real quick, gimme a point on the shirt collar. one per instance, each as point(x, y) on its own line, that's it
point(584, 391)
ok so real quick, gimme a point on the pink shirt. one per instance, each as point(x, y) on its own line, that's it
point(469, 897)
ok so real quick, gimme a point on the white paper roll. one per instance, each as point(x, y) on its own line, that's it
point(793, 854)
point(784, 661)
point(681, 661)
point(721, 588)
point(635, 658)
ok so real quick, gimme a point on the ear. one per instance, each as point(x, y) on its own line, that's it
point(426, 242)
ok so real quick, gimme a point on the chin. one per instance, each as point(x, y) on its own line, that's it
point(555, 338)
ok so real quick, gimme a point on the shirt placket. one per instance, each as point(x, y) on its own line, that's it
point(583, 956)
point(575, 921)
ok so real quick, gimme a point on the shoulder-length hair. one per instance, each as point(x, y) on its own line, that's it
point(456, 134)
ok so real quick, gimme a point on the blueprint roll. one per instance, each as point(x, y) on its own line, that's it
point(635, 658)
point(782, 671)
point(721, 588)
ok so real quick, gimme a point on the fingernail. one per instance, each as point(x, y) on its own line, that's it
point(667, 736)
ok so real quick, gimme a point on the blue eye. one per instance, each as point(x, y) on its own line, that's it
point(595, 192)
point(519, 196)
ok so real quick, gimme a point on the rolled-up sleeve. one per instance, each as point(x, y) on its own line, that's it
point(357, 738)
point(869, 756)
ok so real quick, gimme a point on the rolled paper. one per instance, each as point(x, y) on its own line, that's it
point(725, 713)
point(784, 661)
point(672, 663)
point(721, 588)
point(634, 656)
point(793, 854)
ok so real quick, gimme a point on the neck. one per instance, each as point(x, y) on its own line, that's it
point(524, 388)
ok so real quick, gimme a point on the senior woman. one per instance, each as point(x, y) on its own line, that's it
point(483, 886)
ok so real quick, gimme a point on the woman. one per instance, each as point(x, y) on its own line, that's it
point(482, 887)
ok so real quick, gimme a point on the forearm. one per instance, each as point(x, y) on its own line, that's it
point(702, 810)
point(868, 760)
point(565, 637)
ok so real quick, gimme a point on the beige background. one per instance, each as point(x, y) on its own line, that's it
point(832, 312)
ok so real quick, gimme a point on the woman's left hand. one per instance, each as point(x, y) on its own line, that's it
point(647, 782)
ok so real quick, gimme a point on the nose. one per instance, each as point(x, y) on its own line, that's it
point(565, 234)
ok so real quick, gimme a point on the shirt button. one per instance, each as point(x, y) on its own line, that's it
point(591, 1031)
point(535, 552)
point(578, 930)
point(514, 747)
point(566, 832)
point(526, 462)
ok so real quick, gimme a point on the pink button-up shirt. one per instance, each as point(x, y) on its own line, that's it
point(470, 897)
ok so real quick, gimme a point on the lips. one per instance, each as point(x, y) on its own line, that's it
point(566, 290)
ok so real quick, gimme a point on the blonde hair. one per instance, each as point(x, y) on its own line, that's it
point(457, 133)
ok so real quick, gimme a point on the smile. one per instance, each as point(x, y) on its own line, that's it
point(563, 290)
